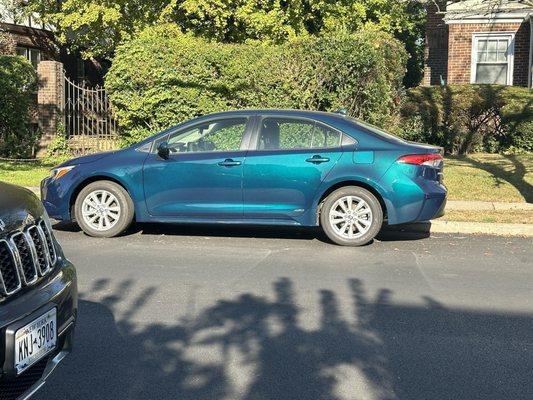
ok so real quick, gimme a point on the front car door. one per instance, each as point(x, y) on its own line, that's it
point(288, 160)
point(202, 177)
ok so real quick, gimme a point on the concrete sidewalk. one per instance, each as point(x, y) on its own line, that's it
point(459, 205)
point(482, 228)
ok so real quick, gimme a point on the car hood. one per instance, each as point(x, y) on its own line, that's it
point(87, 159)
point(18, 208)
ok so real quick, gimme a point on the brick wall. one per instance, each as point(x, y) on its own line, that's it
point(460, 50)
point(50, 100)
point(436, 51)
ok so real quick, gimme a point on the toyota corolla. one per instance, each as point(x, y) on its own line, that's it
point(278, 167)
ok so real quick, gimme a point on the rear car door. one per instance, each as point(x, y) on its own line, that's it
point(288, 159)
point(202, 177)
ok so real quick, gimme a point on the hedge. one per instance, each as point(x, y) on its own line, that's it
point(470, 118)
point(163, 77)
point(17, 83)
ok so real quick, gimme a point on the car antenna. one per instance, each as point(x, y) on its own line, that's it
point(341, 111)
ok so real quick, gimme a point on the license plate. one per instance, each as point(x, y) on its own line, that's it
point(35, 340)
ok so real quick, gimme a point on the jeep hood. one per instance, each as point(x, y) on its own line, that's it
point(18, 207)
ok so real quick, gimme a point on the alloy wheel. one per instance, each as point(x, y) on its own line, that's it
point(350, 217)
point(101, 210)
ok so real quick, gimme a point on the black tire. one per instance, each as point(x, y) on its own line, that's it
point(376, 216)
point(123, 199)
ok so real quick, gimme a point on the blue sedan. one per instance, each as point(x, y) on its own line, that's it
point(277, 167)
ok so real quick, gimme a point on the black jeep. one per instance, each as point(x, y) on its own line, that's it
point(38, 295)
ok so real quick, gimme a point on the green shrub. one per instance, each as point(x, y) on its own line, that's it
point(470, 118)
point(164, 76)
point(362, 73)
point(58, 150)
point(17, 84)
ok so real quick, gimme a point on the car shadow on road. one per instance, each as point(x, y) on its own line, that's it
point(400, 233)
point(254, 347)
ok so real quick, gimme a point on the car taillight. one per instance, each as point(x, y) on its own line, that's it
point(432, 160)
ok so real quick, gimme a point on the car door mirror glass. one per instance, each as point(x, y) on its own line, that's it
point(163, 150)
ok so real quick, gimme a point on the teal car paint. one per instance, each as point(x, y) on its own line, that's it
point(279, 171)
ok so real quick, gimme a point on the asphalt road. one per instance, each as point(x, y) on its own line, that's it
point(185, 312)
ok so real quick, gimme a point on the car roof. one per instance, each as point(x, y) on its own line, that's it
point(320, 115)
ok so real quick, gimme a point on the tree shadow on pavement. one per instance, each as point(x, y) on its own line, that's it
point(257, 348)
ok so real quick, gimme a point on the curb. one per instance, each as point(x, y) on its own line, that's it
point(484, 228)
point(458, 205)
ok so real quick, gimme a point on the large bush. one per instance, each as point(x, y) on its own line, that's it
point(17, 83)
point(470, 118)
point(164, 77)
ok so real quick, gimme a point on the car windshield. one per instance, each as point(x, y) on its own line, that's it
point(378, 131)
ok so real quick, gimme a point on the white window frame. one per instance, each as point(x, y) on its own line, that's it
point(27, 54)
point(476, 37)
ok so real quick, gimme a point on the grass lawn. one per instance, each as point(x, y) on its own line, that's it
point(24, 174)
point(490, 177)
point(481, 177)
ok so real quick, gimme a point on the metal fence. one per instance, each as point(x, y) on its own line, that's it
point(89, 122)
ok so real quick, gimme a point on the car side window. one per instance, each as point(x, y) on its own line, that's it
point(219, 135)
point(288, 133)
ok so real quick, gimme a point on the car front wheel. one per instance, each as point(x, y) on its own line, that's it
point(351, 216)
point(103, 209)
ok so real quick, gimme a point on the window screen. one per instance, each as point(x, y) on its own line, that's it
point(492, 57)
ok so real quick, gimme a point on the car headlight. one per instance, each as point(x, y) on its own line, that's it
point(57, 173)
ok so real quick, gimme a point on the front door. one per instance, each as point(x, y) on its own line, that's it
point(202, 177)
point(290, 160)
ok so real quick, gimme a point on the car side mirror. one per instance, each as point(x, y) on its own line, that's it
point(163, 150)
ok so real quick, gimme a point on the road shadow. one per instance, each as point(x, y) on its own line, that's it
point(66, 226)
point(230, 230)
point(255, 348)
point(406, 232)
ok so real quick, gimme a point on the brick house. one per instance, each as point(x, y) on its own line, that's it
point(479, 41)
point(36, 42)
point(26, 36)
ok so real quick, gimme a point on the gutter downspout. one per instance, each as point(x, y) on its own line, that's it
point(530, 70)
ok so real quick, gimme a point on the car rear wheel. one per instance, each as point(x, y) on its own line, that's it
point(351, 216)
point(103, 209)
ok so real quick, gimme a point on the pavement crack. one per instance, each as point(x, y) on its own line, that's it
point(421, 270)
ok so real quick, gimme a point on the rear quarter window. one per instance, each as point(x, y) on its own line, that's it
point(376, 131)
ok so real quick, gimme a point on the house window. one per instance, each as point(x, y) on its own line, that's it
point(492, 58)
point(80, 70)
point(32, 55)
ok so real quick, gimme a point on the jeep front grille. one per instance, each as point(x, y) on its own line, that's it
point(29, 269)
point(9, 274)
point(24, 257)
point(49, 242)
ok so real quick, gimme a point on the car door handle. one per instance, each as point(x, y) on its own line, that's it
point(228, 162)
point(317, 159)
